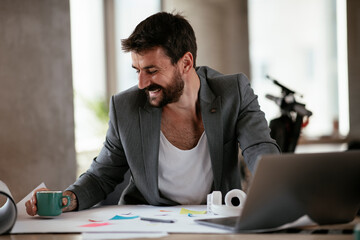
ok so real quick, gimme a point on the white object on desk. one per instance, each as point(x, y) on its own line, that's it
point(214, 203)
point(7, 211)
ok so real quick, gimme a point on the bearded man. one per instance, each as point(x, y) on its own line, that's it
point(178, 131)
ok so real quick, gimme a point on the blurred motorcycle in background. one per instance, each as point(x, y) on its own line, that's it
point(286, 129)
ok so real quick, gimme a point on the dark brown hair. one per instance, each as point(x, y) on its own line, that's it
point(172, 32)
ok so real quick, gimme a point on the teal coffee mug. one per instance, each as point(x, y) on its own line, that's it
point(49, 203)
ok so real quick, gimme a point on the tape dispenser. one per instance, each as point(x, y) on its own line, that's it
point(234, 202)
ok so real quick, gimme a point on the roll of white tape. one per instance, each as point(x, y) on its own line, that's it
point(235, 198)
point(234, 201)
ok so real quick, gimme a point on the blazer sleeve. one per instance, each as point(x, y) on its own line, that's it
point(106, 171)
point(252, 128)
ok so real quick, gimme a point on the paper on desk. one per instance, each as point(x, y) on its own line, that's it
point(21, 204)
point(81, 221)
point(95, 236)
point(7, 210)
point(300, 222)
point(76, 222)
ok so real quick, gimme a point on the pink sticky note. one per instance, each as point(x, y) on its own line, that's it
point(96, 224)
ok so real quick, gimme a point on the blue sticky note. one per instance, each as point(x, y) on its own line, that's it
point(117, 217)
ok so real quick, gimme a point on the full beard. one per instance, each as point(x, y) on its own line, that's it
point(170, 93)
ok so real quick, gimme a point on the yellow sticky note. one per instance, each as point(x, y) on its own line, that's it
point(187, 211)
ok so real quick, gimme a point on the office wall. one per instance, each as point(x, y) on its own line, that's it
point(353, 22)
point(36, 96)
point(221, 29)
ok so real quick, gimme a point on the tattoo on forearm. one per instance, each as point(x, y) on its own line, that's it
point(73, 203)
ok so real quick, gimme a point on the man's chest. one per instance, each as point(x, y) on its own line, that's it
point(183, 135)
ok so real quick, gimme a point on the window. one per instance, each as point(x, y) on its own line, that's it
point(128, 14)
point(302, 44)
point(89, 76)
point(90, 48)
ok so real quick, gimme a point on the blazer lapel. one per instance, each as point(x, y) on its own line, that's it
point(211, 114)
point(150, 120)
point(150, 125)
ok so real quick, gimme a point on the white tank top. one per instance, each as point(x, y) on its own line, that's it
point(185, 176)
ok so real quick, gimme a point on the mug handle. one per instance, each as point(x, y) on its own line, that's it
point(68, 201)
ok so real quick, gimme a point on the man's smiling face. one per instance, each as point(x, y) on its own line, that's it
point(157, 76)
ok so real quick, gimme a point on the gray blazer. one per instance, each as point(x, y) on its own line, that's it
point(231, 117)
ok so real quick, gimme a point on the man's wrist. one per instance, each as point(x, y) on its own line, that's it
point(73, 201)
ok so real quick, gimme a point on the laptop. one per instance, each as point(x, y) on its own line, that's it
point(324, 186)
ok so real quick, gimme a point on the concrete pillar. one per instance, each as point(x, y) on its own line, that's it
point(36, 96)
point(221, 29)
